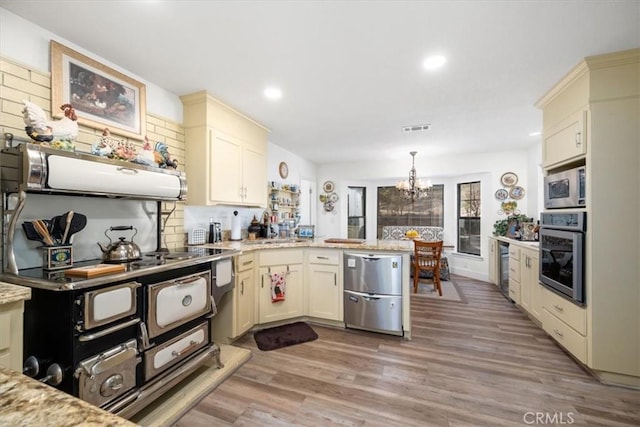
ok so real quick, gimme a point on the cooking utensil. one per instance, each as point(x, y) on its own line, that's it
point(77, 223)
point(122, 251)
point(69, 217)
point(43, 231)
point(30, 231)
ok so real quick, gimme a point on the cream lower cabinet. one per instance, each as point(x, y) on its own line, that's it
point(11, 325)
point(324, 284)
point(529, 279)
point(287, 262)
point(244, 296)
point(494, 255)
point(566, 323)
point(514, 273)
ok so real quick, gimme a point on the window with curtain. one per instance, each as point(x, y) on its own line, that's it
point(469, 218)
point(395, 209)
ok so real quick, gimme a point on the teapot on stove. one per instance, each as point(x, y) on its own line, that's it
point(121, 251)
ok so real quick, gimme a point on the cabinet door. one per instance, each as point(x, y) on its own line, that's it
point(325, 293)
point(292, 306)
point(565, 141)
point(254, 171)
point(225, 164)
point(245, 301)
point(525, 280)
point(493, 262)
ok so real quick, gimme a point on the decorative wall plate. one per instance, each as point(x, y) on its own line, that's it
point(517, 192)
point(502, 194)
point(283, 169)
point(328, 187)
point(509, 179)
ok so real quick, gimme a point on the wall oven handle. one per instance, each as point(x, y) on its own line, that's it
point(96, 335)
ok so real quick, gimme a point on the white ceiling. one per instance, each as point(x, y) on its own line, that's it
point(350, 71)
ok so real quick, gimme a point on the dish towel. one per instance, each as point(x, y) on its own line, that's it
point(278, 284)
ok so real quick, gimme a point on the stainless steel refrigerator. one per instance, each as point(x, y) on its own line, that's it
point(373, 292)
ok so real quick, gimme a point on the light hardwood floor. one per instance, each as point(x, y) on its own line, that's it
point(479, 362)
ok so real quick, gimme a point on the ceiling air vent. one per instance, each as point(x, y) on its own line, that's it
point(416, 128)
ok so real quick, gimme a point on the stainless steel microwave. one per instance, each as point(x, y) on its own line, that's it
point(565, 189)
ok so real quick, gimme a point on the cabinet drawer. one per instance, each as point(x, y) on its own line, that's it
point(280, 257)
point(324, 257)
point(569, 313)
point(514, 252)
point(5, 330)
point(514, 291)
point(514, 270)
point(567, 337)
point(245, 262)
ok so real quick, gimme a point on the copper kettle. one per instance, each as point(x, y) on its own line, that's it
point(122, 250)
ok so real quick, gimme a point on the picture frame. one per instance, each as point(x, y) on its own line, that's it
point(306, 231)
point(101, 96)
point(513, 229)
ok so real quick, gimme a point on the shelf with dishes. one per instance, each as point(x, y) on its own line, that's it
point(284, 201)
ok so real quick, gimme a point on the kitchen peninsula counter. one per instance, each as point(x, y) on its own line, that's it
point(367, 245)
point(27, 402)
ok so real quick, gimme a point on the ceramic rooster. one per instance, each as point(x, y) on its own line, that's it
point(162, 156)
point(147, 156)
point(41, 129)
point(103, 147)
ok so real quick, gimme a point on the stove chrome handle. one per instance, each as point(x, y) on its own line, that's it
point(144, 337)
point(96, 335)
point(192, 345)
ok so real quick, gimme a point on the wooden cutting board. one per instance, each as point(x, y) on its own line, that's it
point(95, 270)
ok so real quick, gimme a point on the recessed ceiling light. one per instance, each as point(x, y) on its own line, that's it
point(434, 62)
point(273, 93)
point(535, 134)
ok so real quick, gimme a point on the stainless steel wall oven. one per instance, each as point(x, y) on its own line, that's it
point(562, 240)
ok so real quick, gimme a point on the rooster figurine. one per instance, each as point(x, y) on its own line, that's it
point(162, 156)
point(147, 156)
point(41, 129)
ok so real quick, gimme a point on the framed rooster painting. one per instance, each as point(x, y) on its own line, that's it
point(101, 96)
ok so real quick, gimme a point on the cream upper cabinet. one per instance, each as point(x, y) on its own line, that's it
point(324, 281)
point(566, 141)
point(289, 264)
point(225, 154)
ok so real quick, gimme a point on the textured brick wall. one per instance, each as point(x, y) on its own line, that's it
point(18, 82)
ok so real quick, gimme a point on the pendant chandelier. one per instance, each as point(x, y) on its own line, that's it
point(414, 188)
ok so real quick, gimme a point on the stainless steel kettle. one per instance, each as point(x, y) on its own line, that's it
point(121, 251)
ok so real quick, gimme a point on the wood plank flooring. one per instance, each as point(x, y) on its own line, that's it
point(478, 362)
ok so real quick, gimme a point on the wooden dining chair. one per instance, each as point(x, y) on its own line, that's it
point(426, 257)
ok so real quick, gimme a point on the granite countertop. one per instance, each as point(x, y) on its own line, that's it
point(367, 245)
point(19, 395)
point(11, 293)
point(525, 243)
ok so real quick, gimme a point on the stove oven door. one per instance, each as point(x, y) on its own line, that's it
point(107, 305)
point(175, 350)
point(175, 302)
point(107, 375)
